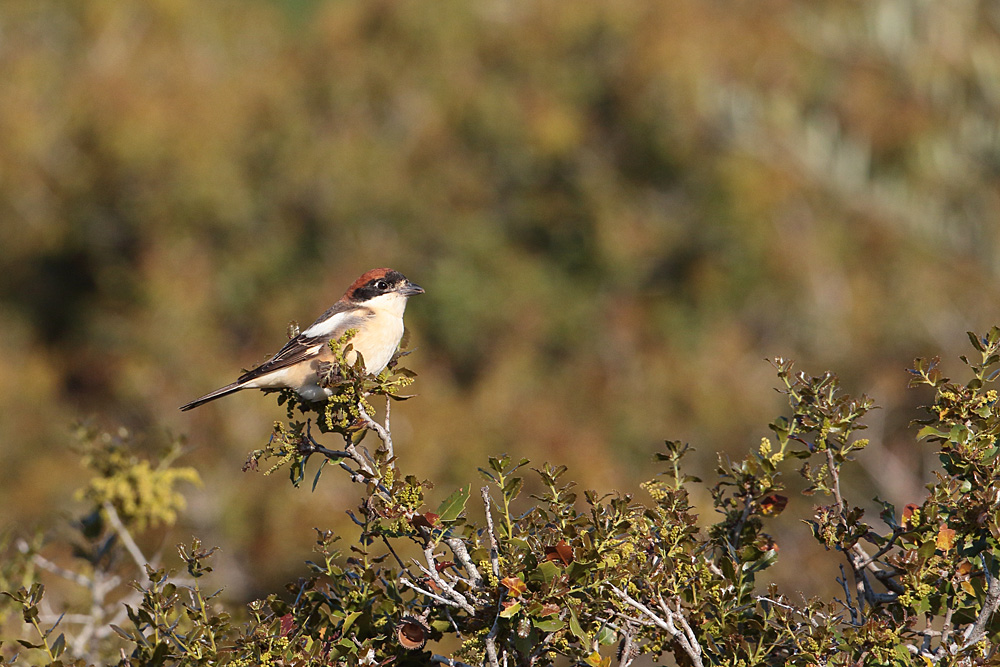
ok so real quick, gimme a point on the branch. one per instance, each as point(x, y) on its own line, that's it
point(627, 651)
point(451, 662)
point(869, 561)
point(126, 537)
point(381, 431)
point(434, 596)
point(442, 584)
point(494, 549)
point(977, 632)
point(685, 636)
point(308, 445)
point(462, 556)
point(46, 564)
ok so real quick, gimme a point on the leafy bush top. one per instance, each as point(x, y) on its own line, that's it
point(593, 577)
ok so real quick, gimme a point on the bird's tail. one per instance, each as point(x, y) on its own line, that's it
point(211, 396)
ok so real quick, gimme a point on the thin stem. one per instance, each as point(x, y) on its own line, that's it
point(126, 537)
point(494, 549)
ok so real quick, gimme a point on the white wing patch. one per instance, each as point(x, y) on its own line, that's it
point(330, 325)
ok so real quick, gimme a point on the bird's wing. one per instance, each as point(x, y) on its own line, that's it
point(331, 324)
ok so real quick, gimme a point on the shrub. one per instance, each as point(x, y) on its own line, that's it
point(595, 578)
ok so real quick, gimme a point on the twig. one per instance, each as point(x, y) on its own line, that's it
point(46, 564)
point(451, 662)
point(491, 639)
point(494, 549)
point(977, 631)
point(684, 636)
point(381, 431)
point(842, 580)
point(434, 596)
point(457, 547)
point(388, 545)
point(126, 537)
point(946, 629)
point(794, 610)
point(869, 561)
point(626, 650)
point(442, 584)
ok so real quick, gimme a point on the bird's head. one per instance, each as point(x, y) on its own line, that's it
point(381, 285)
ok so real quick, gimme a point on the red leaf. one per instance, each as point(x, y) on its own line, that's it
point(561, 552)
point(515, 587)
point(548, 609)
point(945, 538)
point(773, 504)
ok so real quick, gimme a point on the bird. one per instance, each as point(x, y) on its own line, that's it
point(373, 305)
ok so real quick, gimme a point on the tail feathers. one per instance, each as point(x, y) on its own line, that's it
point(211, 396)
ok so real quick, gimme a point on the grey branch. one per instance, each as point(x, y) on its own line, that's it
point(434, 596)
point(671, 619)
point(457, 547)
point(431, 571)
point(977, 631)
point(494, 549)
point(451, 662)
point(626, 651)
point(126, 537)
point(381, 431)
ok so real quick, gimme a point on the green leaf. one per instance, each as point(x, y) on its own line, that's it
point(349, 621)
point(453, 505)
point(511, 610)
point(574, 626)
point(546, 572)
point(548, 624)
point(499, 464)
point(512, 488)
point(930, 432)
point(59, 645)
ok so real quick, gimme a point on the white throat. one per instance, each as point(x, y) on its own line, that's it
point(392, 303)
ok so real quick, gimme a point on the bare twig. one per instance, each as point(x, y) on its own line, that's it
point(451, 662)
point(672, 617)
point(491, 642)
point(869, 561)
point(434, 596)
point(494, 549)
point(946, 629)
point(626, 650)
point(855, 614)
point(457, 547)
point(432, 572)
point(126, 537)
point(794, 610)
point(308, 445)
point(977, 631)
point(46, 564)
point(381, 431)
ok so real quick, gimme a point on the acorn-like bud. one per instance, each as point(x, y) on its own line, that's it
point(411, 633)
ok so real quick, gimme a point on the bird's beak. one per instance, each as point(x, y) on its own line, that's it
point(409, 289)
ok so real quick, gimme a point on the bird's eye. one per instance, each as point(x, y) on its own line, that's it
point(382, 285)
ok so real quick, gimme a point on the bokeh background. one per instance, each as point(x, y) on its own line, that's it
point(618, 210)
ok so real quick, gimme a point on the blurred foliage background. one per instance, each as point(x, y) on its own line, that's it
point(618, 210)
